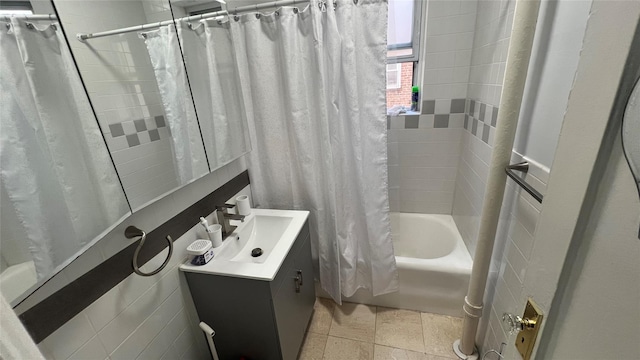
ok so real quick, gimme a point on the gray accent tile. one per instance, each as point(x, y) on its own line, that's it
point(133, 140)
point(429, 107)
point(457, 106)
point(154, 135)
point(485, 134)
point(474, 126)
point(466, 122)
point(140, 125)
point(116, 129)
point(472, 107)
point(388, 122)
point(411, 121)
point(483, 108)
point(494, 117)
point(441, 121)
point(160, 121)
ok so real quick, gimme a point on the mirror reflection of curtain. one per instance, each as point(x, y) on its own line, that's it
point(56, 172)
point(210, 62)
point(186, 141)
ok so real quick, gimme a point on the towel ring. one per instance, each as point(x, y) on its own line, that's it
point(131, 232)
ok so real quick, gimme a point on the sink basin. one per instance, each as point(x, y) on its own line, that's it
point(269, 233)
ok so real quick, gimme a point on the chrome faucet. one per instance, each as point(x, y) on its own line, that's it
point(224, 217)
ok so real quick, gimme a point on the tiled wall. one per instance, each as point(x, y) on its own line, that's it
point(424, 150)
point(492, 31)
point(423, 155)
point(447, 48)
point(120, 79)
point(514, 241)
point(141, 318)
point(520, 212)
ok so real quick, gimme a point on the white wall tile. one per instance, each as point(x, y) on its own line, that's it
point(162, 343)
point(91, 350)
point(70, 337)
point(147, 331)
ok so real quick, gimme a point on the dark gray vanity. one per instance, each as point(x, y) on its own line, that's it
point(259, 318)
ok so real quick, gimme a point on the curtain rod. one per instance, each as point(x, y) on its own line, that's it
point(28, 17)
point(248, 8)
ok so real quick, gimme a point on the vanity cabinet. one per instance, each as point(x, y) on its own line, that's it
point(259, 319)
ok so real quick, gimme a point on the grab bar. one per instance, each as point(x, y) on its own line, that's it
point(523, 167)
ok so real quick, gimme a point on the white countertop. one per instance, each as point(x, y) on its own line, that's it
point(224, 263)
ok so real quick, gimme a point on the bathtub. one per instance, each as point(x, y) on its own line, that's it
point(433, 265)
point(17, 279)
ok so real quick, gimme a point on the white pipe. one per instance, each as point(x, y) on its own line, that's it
point(520, 44)
point(210, 333)
point(257, 7)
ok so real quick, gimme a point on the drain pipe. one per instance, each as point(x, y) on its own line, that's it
point(520, 44)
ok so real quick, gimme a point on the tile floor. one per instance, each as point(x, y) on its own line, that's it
point(363, 332)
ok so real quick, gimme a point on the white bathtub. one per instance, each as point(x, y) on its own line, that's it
point(433, 264)
point(17, 279)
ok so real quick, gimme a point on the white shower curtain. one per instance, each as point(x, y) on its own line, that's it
point(208, 57)
point(314, 89)
point(56, 171)
point(186, 141)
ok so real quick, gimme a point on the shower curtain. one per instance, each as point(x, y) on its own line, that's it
point(208, 57)
point(56, 172)
point(186, 141)
point(313, 84)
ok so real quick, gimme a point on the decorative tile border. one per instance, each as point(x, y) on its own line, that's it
point(481, 119)
point(436, 114)
point(132, 129)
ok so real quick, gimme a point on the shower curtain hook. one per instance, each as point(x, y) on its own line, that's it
point(322, 4)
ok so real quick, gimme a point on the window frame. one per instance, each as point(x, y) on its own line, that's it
point(416, 33)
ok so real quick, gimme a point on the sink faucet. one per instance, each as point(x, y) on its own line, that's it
point(224, 217)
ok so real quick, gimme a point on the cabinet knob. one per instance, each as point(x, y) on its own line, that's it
point(300, 276)
point(298, 280)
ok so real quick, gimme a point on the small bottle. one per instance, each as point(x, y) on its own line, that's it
point(415, 98)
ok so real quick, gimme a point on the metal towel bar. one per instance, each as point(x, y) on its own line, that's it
point(523, 167)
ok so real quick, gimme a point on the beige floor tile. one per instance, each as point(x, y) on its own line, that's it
point(440, 332)
point(388, 353)
point(345, 349)
point(354, 321)
point(322, 315)
point(399, 329)
point(313, 347)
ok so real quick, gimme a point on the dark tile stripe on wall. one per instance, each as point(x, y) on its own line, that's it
point(50, 314)
point(480, 119)
point(440, 113)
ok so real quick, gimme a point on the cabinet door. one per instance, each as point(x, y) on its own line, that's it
point(293, 303)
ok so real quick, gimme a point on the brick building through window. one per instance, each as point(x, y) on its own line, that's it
point(399, 84)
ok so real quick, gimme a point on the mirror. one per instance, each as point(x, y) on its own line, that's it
point(139, 89)
point(631, 134)
point(59, 190)
point(214, 78)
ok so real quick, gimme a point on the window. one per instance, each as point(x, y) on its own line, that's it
point(394, 76)
point(403, 29)
point(403, 42)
